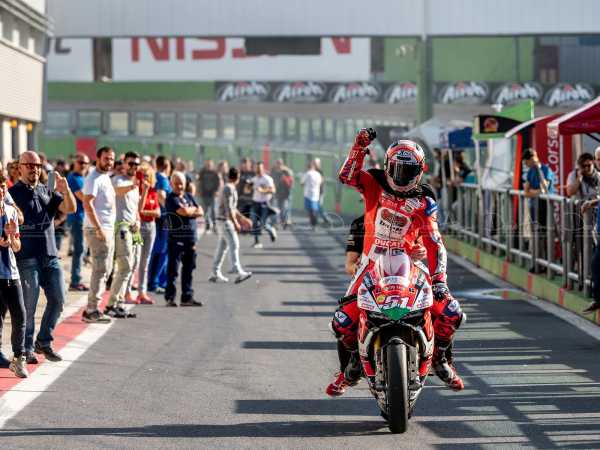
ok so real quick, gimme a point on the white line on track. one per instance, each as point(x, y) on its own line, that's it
point(22, 394)
point(557, 311)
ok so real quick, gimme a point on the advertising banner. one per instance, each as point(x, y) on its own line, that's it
point(70, 60)
point(547, 146)
point(403, 93)
point(209, 59)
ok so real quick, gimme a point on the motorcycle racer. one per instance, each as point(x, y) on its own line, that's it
point(398, 212)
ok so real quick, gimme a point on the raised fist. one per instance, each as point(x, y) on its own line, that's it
point(364, 137)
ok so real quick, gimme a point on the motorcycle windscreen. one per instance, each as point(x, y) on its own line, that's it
point(394, 287)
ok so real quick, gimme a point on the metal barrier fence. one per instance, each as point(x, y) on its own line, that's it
point(543, 234)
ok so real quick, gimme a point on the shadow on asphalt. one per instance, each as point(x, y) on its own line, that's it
point(286, 429)
point(287, 345)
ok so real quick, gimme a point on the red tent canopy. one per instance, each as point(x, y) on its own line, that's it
point(584, 120)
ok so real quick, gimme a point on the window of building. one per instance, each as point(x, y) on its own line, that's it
point(189, 125)
point(245, 127)
point(291, 129)
point(328, 130)
point(303, 130)
point(277, 131)
point(144, 124)
point(262, 126)
point(90, 122)
point(228, 126)
point(58, 122)
point(316, 129)
point(209, 126)
point(167, 124)
point(118, 123)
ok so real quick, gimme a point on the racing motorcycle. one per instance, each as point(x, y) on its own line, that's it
point(395, 333)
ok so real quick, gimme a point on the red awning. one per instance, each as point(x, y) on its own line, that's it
point(581, 121)
point(525, 125)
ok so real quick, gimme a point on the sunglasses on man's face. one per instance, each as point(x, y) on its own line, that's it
point(133, 164)
point(32, 166)
point(83, 163)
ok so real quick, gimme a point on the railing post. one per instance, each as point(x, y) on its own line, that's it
point(549, 236)
point(507, 228)
point(567, 241)
point(588, 240)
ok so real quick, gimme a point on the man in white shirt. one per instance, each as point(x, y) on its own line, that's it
point(263, 188)
point(100, 215)
point(312, 181)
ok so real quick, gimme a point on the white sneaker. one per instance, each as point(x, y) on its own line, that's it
point(218, 277)
point(19, 366)
point(257, 245)
point(273, 234)
point(242, 276)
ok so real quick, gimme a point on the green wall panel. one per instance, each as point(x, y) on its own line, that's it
point(456, 59)
point(131, 91)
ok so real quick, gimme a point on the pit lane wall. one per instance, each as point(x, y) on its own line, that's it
point(536, 285)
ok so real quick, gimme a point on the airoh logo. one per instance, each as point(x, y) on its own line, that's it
point(569, 95)
point(511, 93)
point(464, 93)
point(243, 91)
point(363, 92)
point(300, 92)
point(401, 93)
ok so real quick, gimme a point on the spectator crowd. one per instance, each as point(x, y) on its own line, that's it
point(135, 220)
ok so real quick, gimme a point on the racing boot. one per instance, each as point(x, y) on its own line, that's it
point(445, 370)
point(339, 385)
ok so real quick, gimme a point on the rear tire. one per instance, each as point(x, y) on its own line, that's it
point(397, 388)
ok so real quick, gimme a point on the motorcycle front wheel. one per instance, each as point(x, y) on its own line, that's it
point(397, 388)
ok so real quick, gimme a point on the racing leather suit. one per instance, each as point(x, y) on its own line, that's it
point(394, 221)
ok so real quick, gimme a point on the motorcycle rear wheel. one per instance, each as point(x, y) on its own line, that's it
point(397, 388)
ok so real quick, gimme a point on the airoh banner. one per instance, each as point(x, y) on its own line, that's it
point(403, 93)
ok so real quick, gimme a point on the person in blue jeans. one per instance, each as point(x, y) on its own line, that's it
point(182, 212)
point(37, 261)
point(595, 263)
point(158, 260)
point(75, 221)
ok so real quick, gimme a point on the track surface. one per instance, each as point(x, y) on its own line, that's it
point(249, 369)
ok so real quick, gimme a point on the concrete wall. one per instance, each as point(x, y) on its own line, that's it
point(78, 18)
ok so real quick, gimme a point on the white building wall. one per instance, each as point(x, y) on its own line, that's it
point(229, 18)
point(21, 84)
point(6, 139)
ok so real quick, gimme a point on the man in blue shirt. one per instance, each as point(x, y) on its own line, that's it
point(182, 212)
point(158, 260)
point(38, 260)
point(75, 220)
point(593, 203)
